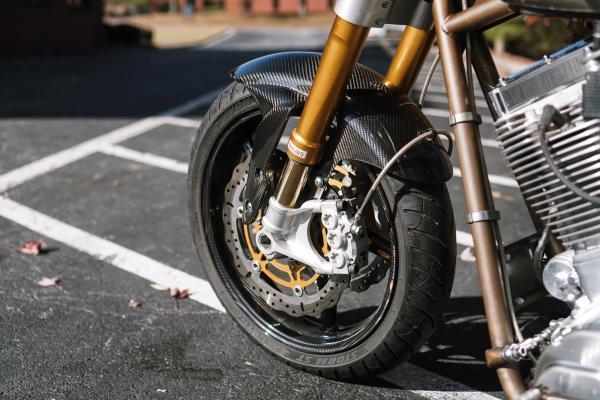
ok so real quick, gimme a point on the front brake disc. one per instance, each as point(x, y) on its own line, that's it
point(282, 283)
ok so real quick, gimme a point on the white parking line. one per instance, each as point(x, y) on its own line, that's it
point(228, 34)
point(493, 143)
point(110, 252)
point(145, 158)
point(183, 122)
point(77, 152)
point(495, 179)
point(464, 239)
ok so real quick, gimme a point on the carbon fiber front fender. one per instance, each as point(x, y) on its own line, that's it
point(371, 126)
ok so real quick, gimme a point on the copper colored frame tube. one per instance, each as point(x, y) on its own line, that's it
point(478, 198)
point(408, 59)
point(483, 14)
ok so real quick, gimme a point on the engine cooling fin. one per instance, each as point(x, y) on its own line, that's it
point(574, 148)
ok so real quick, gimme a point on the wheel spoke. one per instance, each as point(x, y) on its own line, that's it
point(329, 319)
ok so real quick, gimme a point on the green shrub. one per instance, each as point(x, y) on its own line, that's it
point(535, 37)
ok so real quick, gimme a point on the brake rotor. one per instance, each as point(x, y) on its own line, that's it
point(282, 283)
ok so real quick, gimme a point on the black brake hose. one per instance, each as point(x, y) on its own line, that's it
point(551, 115)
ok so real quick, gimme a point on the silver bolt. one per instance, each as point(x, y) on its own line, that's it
point(358, 230)
point(240, 211)
point(319, 182)
point(297, 290)
point(519, 301)
point(329, 220)
point(335, 240)
point(256, 266)
point(337, 259)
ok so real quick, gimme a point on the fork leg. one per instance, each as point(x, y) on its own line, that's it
point(304, 149)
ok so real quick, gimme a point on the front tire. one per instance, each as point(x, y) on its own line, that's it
point(421, 233)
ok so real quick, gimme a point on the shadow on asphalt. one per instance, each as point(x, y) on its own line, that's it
point(456, 350)
point(120, 81)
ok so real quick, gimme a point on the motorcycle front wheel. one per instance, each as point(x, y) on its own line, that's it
point(341, 327)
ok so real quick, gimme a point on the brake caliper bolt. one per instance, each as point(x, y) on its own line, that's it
point(319, 182)
point(329, 221)
point(337, 259)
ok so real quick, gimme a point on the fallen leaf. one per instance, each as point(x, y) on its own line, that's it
point(161, 390)
point(179, 294)
point(159, 287)
point(467, 255)
point(50, 282)
point(176, 295)
point(32, 248)
point(133, 303)
point(501, 196)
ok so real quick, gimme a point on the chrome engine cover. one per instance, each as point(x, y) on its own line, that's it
point(518, 102)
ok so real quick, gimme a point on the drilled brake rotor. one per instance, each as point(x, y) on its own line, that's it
point(282, 283)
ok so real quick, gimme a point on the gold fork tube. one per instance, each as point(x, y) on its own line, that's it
point(343, 47)
point(408, 60)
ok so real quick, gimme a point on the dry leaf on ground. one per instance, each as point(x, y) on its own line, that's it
point(50, 282)
point(32, 248)
point(176, 295)
point(133, 303)
point(467, 255)
point(159, 287)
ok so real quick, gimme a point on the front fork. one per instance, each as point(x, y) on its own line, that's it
point(344, 45)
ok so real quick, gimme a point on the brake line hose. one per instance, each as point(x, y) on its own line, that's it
point(388, 166)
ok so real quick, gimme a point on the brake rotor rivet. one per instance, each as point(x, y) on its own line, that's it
point(297, 290)
point(256, 266)
point(240, 211)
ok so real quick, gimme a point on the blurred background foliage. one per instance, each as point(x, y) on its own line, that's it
point(533, 37)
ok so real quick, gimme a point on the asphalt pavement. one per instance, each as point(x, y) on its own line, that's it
point(93, 154)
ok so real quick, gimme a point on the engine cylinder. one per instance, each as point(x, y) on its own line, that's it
point(574, 148)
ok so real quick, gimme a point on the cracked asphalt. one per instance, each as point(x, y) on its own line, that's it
point(83, 341)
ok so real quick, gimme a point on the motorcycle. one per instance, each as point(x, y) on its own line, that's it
point(319, 208)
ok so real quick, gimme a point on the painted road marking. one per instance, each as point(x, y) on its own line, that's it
point(110, 252)
point(145, 158)
point(79, 151)
point(493, 143)
point(494, 179)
